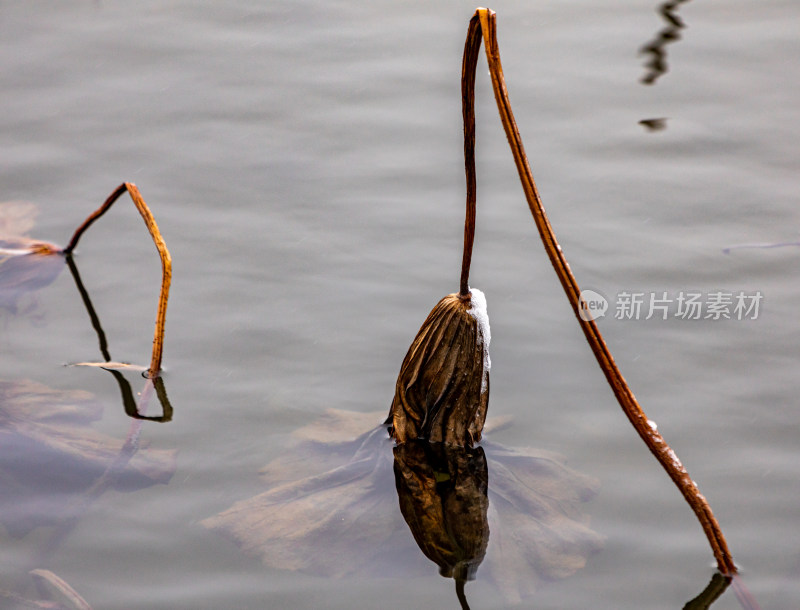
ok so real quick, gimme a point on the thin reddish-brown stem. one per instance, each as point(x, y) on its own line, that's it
point(485, 20)
point(166, 262)
point(472, 49)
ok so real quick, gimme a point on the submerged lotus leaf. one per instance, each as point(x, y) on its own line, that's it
point(49, 454)
point(331, 509)
point(536, 518)
point(26, 265)
point(339, 522)
point(442, 392)
point(329, 441)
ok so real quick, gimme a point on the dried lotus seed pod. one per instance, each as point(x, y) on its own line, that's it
point(442, 392)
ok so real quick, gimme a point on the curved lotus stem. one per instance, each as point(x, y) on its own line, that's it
point(484, 23)
point(166, 262)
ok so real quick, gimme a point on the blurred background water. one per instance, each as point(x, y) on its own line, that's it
point(304, 162)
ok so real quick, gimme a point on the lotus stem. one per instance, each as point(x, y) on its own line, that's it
point(166, 262)
point(484, 21)
point(461, 595)
point(472, 49)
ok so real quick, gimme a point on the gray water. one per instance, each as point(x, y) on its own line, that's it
point(304, 163)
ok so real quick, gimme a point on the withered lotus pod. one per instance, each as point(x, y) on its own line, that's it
point(442, 392)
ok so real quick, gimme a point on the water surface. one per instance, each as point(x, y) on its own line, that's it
point(304, 162)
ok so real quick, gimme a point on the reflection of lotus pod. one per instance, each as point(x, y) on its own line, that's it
point(329, 509)
point(442, 392)
point(443, 498)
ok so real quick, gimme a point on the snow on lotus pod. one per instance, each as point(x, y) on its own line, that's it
point(442, 392)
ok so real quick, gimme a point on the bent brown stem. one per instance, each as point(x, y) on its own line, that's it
point(485, 21)
point(166, 262)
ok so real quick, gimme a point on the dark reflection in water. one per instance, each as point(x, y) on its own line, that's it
point(132, 409)
point(443, 494)
point(710, 594)
point(655, 49)
point(653, 125)
point(331, 509)
point(23, 274)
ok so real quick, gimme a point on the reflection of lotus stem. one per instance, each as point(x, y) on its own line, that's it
point(658, 46)
point(166, 262)
point(483, 23)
